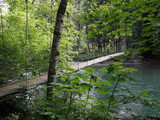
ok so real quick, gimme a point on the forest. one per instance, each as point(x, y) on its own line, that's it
point(48, 37)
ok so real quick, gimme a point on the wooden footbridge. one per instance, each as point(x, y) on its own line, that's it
point(16, 87)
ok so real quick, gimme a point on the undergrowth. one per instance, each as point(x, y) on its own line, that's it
point(77, 95)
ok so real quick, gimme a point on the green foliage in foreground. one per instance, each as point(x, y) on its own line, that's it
point(76, 95)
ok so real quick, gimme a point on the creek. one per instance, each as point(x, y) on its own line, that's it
point(148, 79)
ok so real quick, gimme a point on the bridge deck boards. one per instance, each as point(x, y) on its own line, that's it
point(13, 88)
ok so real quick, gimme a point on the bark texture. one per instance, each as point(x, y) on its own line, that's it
point(55, 47)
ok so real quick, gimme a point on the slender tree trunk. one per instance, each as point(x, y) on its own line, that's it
point(118, 45)
point(104, 47)
point(92, 47)
point(99, 47)
point(87, 39)
point(88, 46)
point(79, 37)
point(55, 47)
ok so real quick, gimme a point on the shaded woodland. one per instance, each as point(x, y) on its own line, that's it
point(46, 36)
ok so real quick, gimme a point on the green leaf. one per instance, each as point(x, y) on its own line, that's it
point(130, 70)
point(70, 69)
point(132, 79)
point(83, 76)
point(89, 70)
point(76, 81)
point(118, 63)
point(86, 86)
point(103, 70)
point(122, 80)
point(112, 79)
point(82, 101)
point(109, 116)
point(57, 75)
point(93, 77)
point(80, 18)
point(106, 83)
point(102, 90)
point(114, 1)
point(96, 82)
point(92, 98)
point(57, 91)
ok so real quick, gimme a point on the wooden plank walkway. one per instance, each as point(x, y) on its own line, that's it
point(15, 87)
point(80, 65)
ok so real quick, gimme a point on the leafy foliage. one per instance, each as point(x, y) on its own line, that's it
point(106, 26)
point(26, 42)
point(124, 24)
point(75, 95)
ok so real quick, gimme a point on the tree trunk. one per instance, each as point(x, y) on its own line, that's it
point(79, 37)
point(55, 47)
point(87, 39)
point(104, 46)
point(99, 44)
point(92, 47)
point(119, 44)
point(78, 28)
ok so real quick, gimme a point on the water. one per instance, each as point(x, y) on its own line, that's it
point(148, 78)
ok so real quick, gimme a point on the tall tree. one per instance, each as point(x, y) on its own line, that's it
point(55, 46)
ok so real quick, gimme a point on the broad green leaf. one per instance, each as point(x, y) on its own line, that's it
point(76, 81)
point(57, 91)
point(89, 70)
point(83, 76)
point(102, 90)
point(117, 63)
point(86, 86)
point(122, 80)
point(103, 70)
point(106, 83)
point(70, 69)
point(112, 79)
